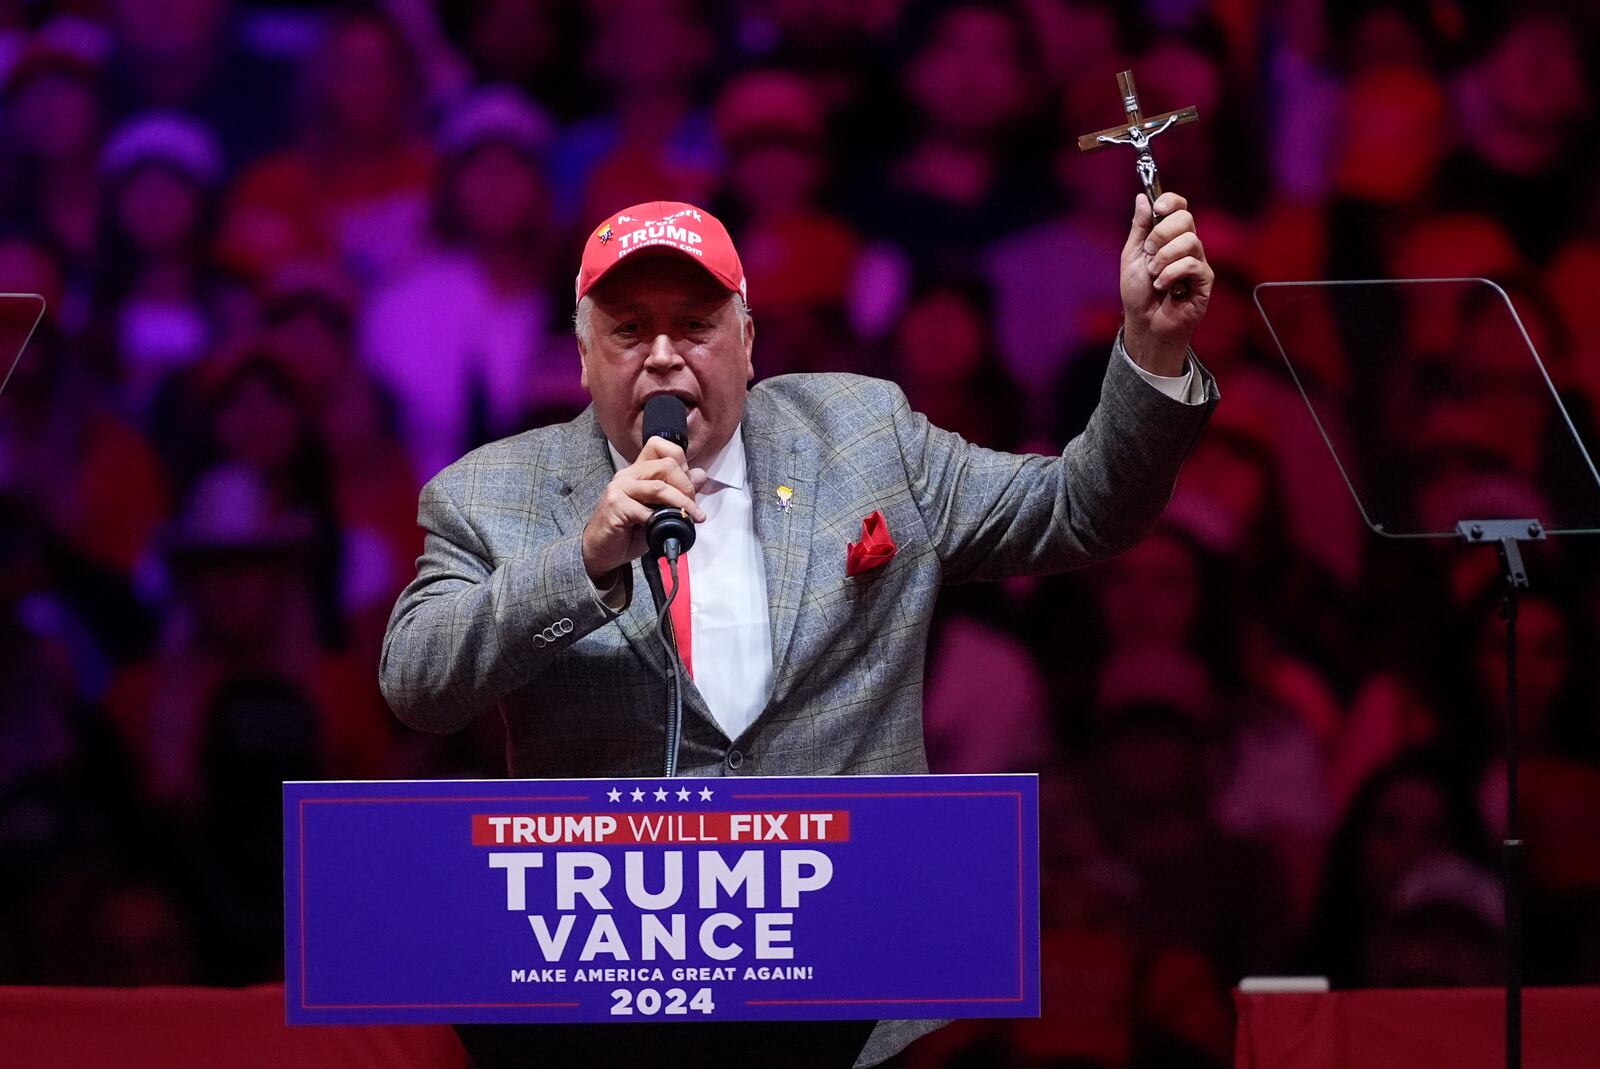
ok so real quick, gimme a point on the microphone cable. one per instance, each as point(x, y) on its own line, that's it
point(669, 646)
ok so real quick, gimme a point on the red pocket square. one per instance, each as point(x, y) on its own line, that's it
point(875, 549)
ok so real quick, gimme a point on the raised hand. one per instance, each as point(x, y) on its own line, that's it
point(1157, 324)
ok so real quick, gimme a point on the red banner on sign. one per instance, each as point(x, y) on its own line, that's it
point(632, 829)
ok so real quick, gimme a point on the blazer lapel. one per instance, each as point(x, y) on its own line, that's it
point(587, 473)
point(583, 472)
point(776, 456)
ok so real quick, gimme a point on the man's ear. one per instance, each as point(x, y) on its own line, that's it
point(749, 348)
point(583, 365)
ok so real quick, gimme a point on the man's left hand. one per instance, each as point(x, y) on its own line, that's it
point(1157, 325)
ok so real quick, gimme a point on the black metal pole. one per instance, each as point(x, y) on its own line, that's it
point(1507, 537)
point(1511, 847)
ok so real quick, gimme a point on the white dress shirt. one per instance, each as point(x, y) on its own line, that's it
point(731, 643)
point(731, 629)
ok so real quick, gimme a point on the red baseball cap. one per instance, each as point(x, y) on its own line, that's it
point(662, 227)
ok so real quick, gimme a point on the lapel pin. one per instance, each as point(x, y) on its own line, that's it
point(785, 498)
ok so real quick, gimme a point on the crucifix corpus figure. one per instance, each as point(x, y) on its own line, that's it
point(1138, 132)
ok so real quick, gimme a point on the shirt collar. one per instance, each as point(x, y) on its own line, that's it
point(725, 468)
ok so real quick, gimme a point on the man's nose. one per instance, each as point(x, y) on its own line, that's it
point(663, 354)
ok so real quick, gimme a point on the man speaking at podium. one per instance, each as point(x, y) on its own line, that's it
point(828, 515)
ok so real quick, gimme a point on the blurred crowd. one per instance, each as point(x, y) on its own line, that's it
point(297, 258)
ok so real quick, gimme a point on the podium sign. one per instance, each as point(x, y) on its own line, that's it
point(788, 898)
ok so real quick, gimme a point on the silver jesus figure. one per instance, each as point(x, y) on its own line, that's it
point(1146, 163)
point(1138, 131)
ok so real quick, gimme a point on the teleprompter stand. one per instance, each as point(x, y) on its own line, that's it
point(1507, 537)
point(1445, 410)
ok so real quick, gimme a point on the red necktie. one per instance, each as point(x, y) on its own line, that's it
point(681, 626)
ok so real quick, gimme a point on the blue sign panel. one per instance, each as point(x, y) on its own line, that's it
point(667, 899)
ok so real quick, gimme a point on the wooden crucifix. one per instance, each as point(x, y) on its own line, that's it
point(1138, 131)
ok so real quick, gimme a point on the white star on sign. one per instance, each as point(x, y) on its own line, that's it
point(614, 795)
point(637, 795)
point(661, 794)
point(705, 794)
point(683, 794)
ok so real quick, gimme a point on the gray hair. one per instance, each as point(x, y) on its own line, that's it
point(585, 333)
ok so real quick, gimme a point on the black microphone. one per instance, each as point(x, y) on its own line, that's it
point(666, 417)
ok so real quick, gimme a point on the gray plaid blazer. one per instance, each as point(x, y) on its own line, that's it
point(503, 616)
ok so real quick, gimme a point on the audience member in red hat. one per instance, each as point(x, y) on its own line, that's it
point(772, 127)
point(159, 305)
point(957, 180)
point(51, 147)
point(68, 448)
point(459, 338)
point(655, 137)
point(355, 185)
